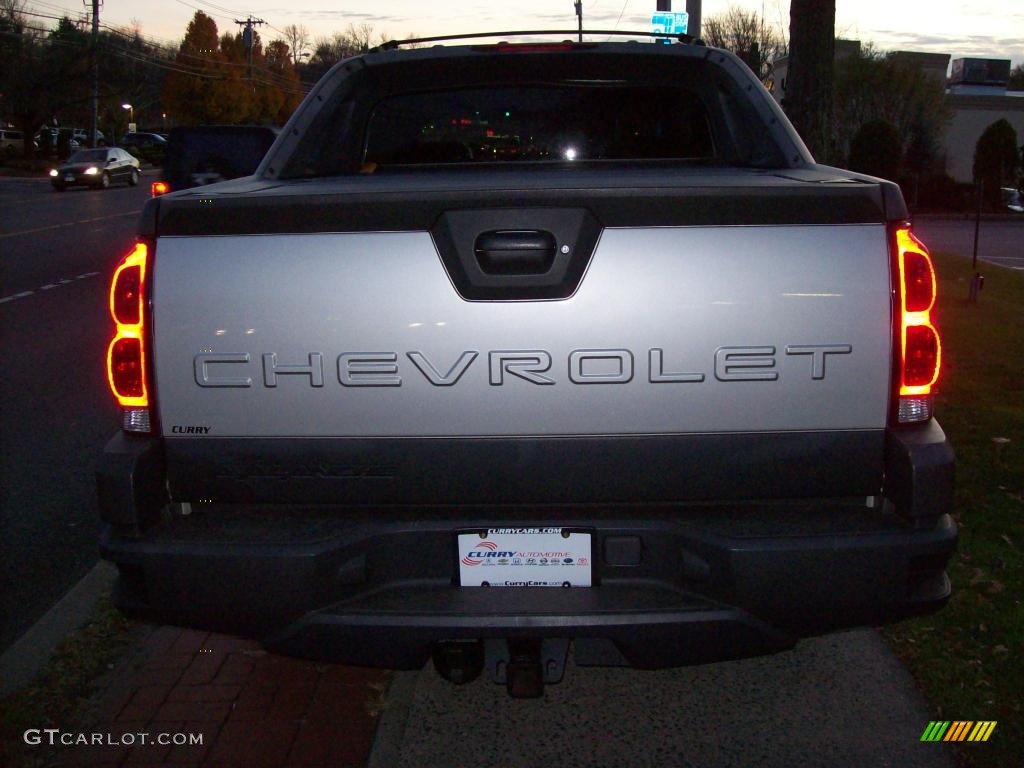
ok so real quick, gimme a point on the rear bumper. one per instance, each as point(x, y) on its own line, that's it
point(675, 583)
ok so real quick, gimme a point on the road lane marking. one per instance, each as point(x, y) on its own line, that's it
point(49, 286)
point(21, 295)
point(68, 224)
point(1007, 262)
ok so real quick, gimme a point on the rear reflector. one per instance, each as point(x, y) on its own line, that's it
point(919, 281)
point(136, 420)
point(913, 409)
point(920, 358)
point(124, 296)
point(125, 359)
point(918, 343)
point(126, 354)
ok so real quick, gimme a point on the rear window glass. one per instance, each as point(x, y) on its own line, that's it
point(541, 123)
point(624, 103)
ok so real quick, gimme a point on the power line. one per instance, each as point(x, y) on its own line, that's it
point(267, 77)
point(219, 7)
point(47, 16)
point(624, 4)
point(149, 42)
point(203, 10)
point(155, 42)
point(123, 34)
point(152, 41)
point(273, 79)
point(167, 66)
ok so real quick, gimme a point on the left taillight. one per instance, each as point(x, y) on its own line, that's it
point(127, 354)
point(918, 347)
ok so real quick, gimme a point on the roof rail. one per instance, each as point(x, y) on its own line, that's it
point(391, 45)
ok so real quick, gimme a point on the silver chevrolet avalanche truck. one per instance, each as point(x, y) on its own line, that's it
point(507, 347)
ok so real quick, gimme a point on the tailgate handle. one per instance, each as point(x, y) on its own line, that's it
point(515, 251)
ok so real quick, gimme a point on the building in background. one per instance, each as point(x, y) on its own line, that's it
point(780, 67)
point(976, 92)
point(934, 65)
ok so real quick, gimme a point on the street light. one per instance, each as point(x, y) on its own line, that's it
point(131, 116)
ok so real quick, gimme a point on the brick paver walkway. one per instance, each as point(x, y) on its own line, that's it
point(252, 708)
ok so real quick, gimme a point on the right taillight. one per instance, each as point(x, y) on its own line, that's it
point(158, 188)
point(126, 355)
point(916, 340)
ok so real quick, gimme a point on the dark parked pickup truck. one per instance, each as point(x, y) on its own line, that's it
point(506, 347)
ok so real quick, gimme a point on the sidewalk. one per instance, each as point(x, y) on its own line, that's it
point(252, 708)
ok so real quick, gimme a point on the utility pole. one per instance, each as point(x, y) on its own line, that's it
point(248, 39)
point(978, 280)
point(579, 16)
point(693, 22)
point(96, 4)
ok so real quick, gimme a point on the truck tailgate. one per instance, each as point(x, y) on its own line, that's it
point(671, 330)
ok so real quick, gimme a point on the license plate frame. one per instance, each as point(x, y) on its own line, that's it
point(512, 557)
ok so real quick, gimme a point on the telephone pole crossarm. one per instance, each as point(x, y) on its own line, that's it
point(248, 39)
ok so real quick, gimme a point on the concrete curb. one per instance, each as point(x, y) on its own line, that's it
point(20, 663)
point(387, 743)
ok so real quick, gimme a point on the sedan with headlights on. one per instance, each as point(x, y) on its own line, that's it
point(96, 168)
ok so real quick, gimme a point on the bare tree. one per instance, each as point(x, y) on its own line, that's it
point(384, 37)
point(298, 41)
point(12, 15)
point(328, 51)
point(746, 34)
point(12, 9)
point(808, 101)
point(360, 37)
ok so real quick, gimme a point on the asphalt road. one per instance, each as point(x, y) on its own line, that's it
point(999, 242)
point(57, 252)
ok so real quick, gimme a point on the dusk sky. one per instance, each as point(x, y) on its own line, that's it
point(984, 28)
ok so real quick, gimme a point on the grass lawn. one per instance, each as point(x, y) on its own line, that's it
point(63, 686)
point(968, 657)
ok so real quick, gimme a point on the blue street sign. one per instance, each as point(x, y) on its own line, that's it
point(669, 23)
